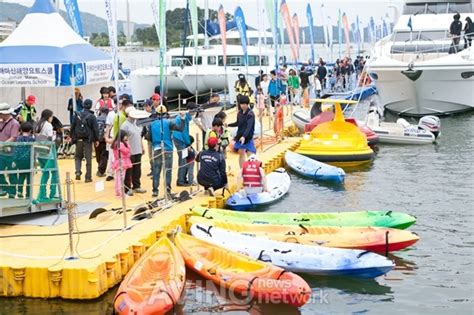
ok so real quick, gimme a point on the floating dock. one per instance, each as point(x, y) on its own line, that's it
point(35, 260)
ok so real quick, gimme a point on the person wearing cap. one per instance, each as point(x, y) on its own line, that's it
point(161, 130)
point(182, 141)
point(9, 130)
point(455, 30)
point(133, 175)
point(245, 129)
point(70, 105)
point(28, 110)
point(84, 133)
point(212, 169)
point(252, 176)
point(242, 87)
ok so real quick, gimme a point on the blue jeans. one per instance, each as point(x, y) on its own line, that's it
point(180, 146)
point(189, 173)
point(157, 165)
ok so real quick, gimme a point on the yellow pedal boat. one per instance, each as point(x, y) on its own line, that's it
point(337, 142)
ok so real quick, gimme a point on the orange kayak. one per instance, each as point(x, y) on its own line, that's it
point(240, 274)
point(155, 283)
point(376, 239)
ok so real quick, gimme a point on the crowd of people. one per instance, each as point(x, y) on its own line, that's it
point(113, 128)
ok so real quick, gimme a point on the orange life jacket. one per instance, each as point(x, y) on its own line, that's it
point(251, 174)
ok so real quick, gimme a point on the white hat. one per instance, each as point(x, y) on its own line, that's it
point(5, 109)
point(252, 157)
point(134, 113)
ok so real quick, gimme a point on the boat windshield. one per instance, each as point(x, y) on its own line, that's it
point(437, 8)
point(181, 61)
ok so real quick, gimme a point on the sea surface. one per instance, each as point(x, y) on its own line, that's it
point(433, 182)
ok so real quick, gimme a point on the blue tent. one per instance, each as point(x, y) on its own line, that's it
point(44, 51)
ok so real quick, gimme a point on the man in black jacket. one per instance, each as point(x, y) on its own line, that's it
point(84, 132)
point(211, 173)
point(455, 30)
point(245, 129)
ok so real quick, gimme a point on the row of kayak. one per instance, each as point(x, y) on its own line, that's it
point(257, 255)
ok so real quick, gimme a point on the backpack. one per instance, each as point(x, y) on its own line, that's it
point(82, 130)
point(101, 126)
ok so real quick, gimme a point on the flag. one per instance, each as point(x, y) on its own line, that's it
point(285, 13)
point(194, 21)
point(223, 30)
point(384, 28)
point(160, 26)
point(345, 23)
point(309, 15)
point(296, 30)
point(112, 29)
point(410, 25)
point(339, 31)
point(74, 15)
point(242, 27)
point(372, 29)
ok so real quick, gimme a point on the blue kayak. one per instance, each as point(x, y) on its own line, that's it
point(361, 93)
point(278, 184)
point(313, 169)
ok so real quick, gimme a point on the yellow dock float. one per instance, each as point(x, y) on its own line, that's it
point(35, 262)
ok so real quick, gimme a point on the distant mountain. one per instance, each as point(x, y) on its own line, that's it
point(91, 23)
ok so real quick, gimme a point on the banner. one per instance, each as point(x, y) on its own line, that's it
point(372, 29)
point(112, 28)
point(339, 32)
point(285, 12)
point(358, 34)
point(327, 34)
point(345, 23)
point(384, 28)
point(242, 27)
point(309, 15)
point(74, 15)
point(296, 30)
point(272, 10)
point(160, 26)
point(223, 30)
point(194, 21)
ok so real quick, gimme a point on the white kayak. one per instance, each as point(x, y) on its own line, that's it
point(402, 132)
point(278, 184)
point(313, 169)
point(316, 260)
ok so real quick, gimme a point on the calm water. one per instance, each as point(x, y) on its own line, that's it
point(433, 182)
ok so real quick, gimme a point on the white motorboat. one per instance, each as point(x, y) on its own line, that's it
point(415, 74)
point(402, 132)
point(197, 71)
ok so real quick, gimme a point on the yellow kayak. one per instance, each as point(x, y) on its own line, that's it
point(374, 239)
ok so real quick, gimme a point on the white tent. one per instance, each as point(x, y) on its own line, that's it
point(44, 51)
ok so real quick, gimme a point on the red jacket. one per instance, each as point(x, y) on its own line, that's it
point(251, 174)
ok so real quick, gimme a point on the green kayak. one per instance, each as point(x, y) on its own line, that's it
point(396, 220)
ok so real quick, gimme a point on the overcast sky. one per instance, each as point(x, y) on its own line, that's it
point(140, 11)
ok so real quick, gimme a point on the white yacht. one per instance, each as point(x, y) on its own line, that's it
point(415, 74)
point(190, 71)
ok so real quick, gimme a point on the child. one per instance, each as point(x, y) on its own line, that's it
point(223, 133)
point(189, 168)
point(278, 122)
point(23, 158)
point(125, 158)
point(260, 102)
point(283, 102)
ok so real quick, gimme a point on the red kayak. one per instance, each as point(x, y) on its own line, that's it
point(372, 138)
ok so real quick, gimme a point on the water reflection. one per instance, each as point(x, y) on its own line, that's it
point(349, 285)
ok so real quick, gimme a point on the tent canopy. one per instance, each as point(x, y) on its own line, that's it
point(45, 51)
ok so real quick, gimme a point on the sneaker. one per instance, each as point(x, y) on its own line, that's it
point(130, 193)
point(88, 180)
point(154, 194)
point(183, 184)
point(211, 191)
point(20, 196)
point(149, 174)
point(78, 177)
point(140, 190)
point(109, 178)
point(99, 174)
point(3, 193)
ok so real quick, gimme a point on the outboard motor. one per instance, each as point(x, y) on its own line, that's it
point(430, 123)
point(373, 117)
